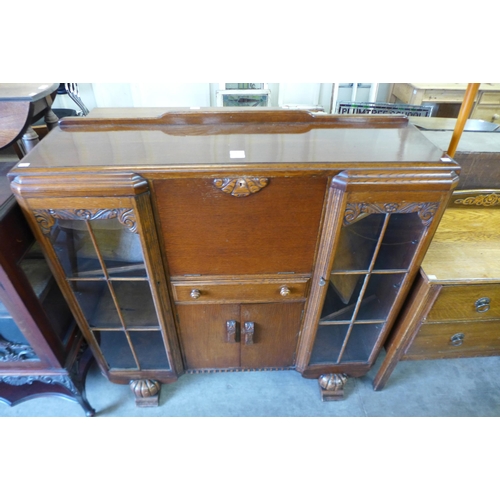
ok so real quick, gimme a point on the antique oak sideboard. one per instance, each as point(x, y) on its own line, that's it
point(234, 239)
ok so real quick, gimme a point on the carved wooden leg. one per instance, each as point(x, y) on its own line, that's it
point(331, 386)
point(147, 392)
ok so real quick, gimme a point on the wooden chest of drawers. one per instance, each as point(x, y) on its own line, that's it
point(454, 308)
point(450, 96)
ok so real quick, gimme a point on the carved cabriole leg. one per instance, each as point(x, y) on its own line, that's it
point(147, 392)
point(331, 386)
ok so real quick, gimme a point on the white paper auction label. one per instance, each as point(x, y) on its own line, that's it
point(236, 154)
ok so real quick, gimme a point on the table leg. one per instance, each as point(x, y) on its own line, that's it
point(29, 140)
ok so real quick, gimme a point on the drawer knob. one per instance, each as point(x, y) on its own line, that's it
point(195, 294)
point(457, 339)
point(284, 291)
point(482, 304)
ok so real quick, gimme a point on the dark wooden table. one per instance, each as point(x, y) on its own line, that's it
point(21, 105)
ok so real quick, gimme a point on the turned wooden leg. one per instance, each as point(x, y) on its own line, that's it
point(51, 119)
point(331, 386)
point(147, 392)
point(29, 140)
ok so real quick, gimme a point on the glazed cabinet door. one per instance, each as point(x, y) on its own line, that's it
point(371, 264)
point(372, 245)
point(101, 255)
point(107, 259)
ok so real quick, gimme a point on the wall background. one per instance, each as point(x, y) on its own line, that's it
point(106, 95)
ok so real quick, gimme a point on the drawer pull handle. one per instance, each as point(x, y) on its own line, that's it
point(482, 305)
point(457, 339)
point(284, 291)
point(195, 294)
point(232, 331)
point(248, 331)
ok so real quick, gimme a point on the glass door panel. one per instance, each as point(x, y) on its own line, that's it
point(136, 304)
point(379, 296)
point(357, 243)
point(105, 267)
point(116, 350)
point(362, 340)
point(74, 248)
point(329, 341)
point(150, 350)
point(120, 249)
point(342, 296)
point(96, 303)
point(43, 284)
point(373, 255)
point(400, 241)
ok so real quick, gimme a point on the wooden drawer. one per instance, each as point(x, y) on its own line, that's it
point(480, 338)
point(487, 113)
point(459, 303)
point(490, 98)
point(240, 292)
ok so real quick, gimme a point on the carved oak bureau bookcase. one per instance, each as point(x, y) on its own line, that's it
point(42, 352)
point(230, 239)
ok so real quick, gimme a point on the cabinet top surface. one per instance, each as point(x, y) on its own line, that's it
point(228, 137)
point(465, 247)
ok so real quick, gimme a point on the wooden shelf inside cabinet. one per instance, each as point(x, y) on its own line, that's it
point(234, 238)
point(42, 352)
point(454, 309)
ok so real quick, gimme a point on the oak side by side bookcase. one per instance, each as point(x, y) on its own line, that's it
point(234, 239)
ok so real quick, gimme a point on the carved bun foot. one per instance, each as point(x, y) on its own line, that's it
point(147, 392)
point(331, 386)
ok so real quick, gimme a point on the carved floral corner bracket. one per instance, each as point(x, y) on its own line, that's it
point(241, 186)
point(356, 211)
point(13, 351)
point(46, 218)
point(485, 200)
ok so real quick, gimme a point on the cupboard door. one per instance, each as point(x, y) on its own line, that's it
point(101, 256)
point(371, 264)
point(275, 330)
point(204, 335)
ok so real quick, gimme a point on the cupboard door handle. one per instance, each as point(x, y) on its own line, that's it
point(284, 291)
point(195, 294)
point(232, 331)
point(249, 330)
point(482, 305)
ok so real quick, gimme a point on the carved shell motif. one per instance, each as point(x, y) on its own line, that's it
point(332, 381)
point(145, 388)
point(242, 186)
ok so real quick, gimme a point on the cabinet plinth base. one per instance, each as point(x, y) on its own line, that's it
point(331, 386)
point(147, 392)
